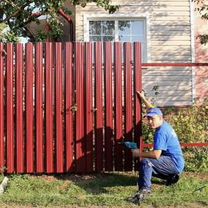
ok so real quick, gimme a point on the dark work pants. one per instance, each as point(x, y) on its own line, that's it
point(161, 168)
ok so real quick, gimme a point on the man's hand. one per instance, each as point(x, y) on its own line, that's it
point(146, 102)
point(129, 145)
point(135, 152)
point(141, 94)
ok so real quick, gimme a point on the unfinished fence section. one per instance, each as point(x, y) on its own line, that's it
point(65, 106)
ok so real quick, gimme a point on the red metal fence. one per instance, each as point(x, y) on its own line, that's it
point(63, 106)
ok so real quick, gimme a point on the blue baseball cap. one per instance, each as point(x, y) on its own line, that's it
point(154, 112)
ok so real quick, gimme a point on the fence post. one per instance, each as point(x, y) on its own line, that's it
point(2, 117)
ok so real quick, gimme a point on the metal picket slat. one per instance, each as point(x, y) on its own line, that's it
point(39, 75)
point(89, 108)
point(98, 109)
point(20, 150)
point(137, 101)
point(118, 107)
point(108, 106)
point(80, 142)
point(49, 109)
point(29, 109)
point(2, 115)
point(9, 110)
point(128, 103)
point(58, 106)
point(68, 108)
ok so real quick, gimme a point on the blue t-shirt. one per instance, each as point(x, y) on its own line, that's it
point(165, 139)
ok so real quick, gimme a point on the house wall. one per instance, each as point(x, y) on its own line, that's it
point(201, 52)
point(169, 39)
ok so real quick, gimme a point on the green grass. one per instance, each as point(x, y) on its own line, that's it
point(110, 190)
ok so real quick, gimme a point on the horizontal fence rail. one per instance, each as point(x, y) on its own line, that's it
point(65, 106)
point(144, 145)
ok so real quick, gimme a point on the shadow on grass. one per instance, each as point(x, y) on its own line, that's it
point(101, 183)
point(105, 182)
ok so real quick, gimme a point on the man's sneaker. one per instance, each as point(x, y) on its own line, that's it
point(140, 196)
point(172, 179)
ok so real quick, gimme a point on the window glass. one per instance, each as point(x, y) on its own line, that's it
point(119, 30)
point(124, 38)
point(108, 27)
point(137, 38)
point(95, 38)
point(95, 27)
point(108, 38)
point(124, 28)
point(101, 30)
point(137, 27)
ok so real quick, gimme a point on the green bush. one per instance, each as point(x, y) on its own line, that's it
point(196, 159)
point(191, 123)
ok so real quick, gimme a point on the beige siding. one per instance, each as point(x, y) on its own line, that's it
point(167, 21)
point(201, 80)
point(173, 85)
point(168, 40)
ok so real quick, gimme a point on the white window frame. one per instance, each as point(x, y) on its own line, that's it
point(103, 17)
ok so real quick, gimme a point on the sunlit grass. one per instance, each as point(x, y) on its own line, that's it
point(110, 189)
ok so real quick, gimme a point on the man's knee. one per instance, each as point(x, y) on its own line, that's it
point(145, 163)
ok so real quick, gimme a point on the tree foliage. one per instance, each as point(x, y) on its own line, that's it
point(202, 8)
point(18, 14)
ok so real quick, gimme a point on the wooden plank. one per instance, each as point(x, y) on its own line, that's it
point(158, 19)
point(167, 13)
point(171, 94)
point(171, 43)
point(166, 97)
point(169, 50)
point(174, 59)
point(148, 87)
point(177, 28)
point(172, 78)
point(151, 2)
point(167, 83)
point(165, 32)
point(167, 73)
point(179, 103)
point(170, 38)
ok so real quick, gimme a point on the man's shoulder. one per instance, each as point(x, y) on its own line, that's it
point(165, 125)
point(168, 130)
point(165, 128)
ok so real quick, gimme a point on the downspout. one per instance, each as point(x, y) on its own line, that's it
point(69, 20)
point(193, 50)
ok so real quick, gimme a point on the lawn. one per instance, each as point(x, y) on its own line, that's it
point(102, 190)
